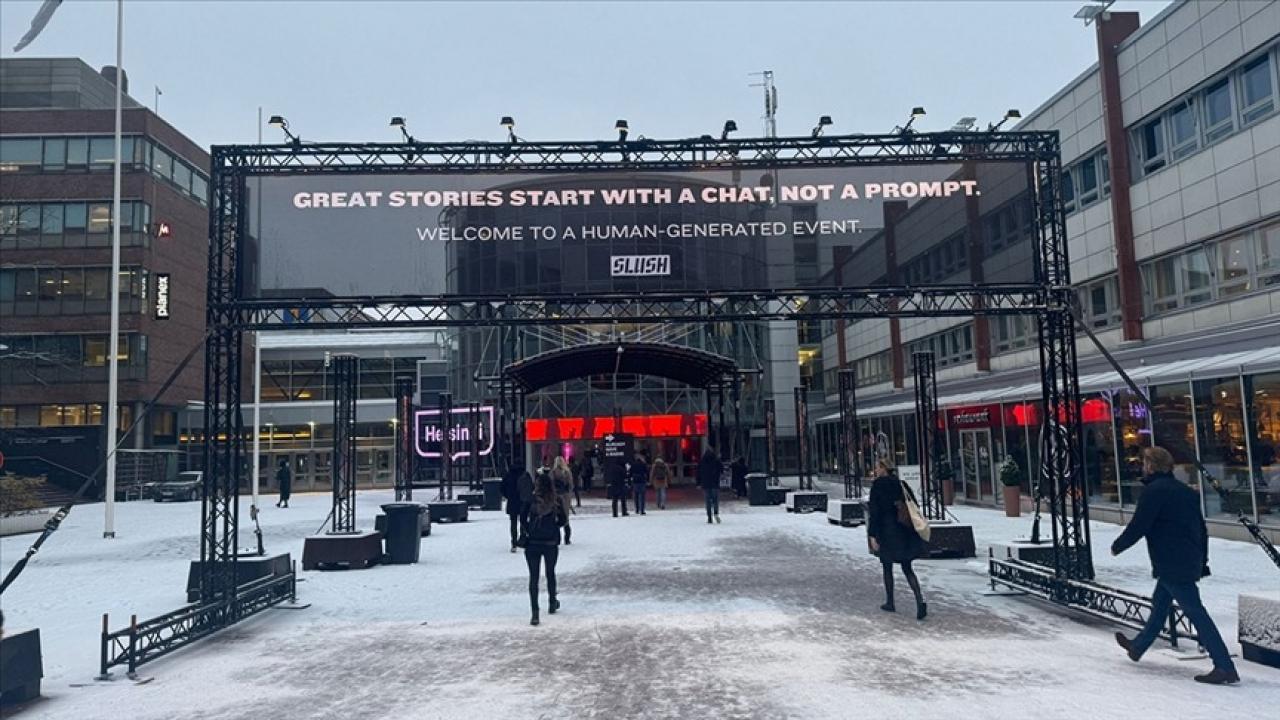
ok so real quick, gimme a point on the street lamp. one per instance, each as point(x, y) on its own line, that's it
point(729, 126)
point(1010, 114)
point(916, 112)
point(280, 122)
point(398, 122)
point(621, 127)
point(509, 123)
point(823, 121)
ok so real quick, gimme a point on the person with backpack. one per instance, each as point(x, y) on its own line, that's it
point(640, 482)
point(285, 480)
point(562, 478)
point(517, 489)
point(709, 470)
point(543, 520)
point(660, 476)
point(891, 534)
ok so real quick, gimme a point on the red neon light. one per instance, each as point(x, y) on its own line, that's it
point(536, 430)
point(637, 425)
point(664, 425)
point(1095, 410)
point(570, 428)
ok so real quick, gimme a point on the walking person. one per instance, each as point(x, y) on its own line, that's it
point(284, 479)
point(660, 476)
point(544, 518)
point(739, 477)
point(894, 541)
point(640, 482)
point(517, 489)
point(562, 478)
point(588, 472)
point(1168, 516)
point(615, 478)
point(709, 469)
point(575, 469)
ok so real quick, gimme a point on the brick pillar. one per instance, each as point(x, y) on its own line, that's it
point(893, 212)
point(1113, 28)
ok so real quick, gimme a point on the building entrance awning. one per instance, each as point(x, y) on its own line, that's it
point(690, 366)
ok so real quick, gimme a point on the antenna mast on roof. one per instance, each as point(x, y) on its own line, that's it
point(770, 102)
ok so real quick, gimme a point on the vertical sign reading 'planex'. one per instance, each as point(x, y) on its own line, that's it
point(428, 432)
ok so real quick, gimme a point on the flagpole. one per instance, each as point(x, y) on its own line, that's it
point(113, 354)
point(257, 360)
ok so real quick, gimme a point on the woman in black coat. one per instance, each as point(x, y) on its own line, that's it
point(892, 540)
point(517, 488)
point(544, 516)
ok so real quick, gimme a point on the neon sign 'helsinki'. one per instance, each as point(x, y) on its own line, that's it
point(427, 434)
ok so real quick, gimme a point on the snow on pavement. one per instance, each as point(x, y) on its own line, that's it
point(768, 615)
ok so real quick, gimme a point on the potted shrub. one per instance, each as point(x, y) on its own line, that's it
point(1011, 478)
point(947, 478)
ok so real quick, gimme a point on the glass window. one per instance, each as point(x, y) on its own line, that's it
point(1100, 454)
point(72, 285)
point(8, 219)
point(50, 285)
point(55, 153)
point(200, 188)
point(102, 152)
point(1133, 435)
point(77, 152)
point(24, 285)
point(1263, 395)
point(95, 350)
point(1151, 145)
point(1218, 119)
point(99, 217)
point(1220, 431)
point(1173, 429)
point(1256, 89)
point(1088, 182)
point(20, 154)
point(51, 218)
point(96, 284)
point(76, 217)
point(50, 415)
point(161, 163)
point(182, 176)
point(1160, 280)
point(1197, 277)
point(1068, 192)
point(1233, 265)
point(28, 219)
point(1268, 255)
point(1182, 130)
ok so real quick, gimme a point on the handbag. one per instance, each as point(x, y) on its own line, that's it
point(913, 519)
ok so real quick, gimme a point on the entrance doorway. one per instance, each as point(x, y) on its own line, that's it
point(976, 469)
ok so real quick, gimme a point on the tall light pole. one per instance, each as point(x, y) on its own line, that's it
point(113, 361)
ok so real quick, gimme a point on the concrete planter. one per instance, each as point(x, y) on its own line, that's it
point(1260, 627)
point(28, 521)
point(1012, 501)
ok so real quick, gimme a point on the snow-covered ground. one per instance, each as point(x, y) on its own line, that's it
point(768, 615)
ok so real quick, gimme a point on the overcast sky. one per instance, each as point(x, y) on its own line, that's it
point(340, 70)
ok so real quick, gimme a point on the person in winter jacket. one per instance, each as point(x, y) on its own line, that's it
point(894, 541)
point(543, 519)
point(562, 477)
point(639, 482)
point(738, 472)
point(615, 478)
point(660, 476)
point(285, 480)
point(1168, 516)
point(517, 488)
point(709, 469)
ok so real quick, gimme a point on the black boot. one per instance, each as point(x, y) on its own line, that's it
point(922, 610)
point(534, 620)
point(888, 606)
point(1218, 676)
point(555, 605)
point(1127, 644)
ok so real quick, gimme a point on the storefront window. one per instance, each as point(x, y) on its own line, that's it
point(1220, 430)
point(1263, 395)
point(1133, 435)
point(1174, 431)
point(1100, 470)
point(1015, 444)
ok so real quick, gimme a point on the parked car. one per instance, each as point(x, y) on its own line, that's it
point(186, 486)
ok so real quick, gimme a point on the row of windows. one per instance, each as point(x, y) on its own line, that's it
point(71, 224)
point(95, 153)
point(301, 380)
point(1232, 266)
point(949, 347)
point(1230, 102)
point(70, 358)
point(69, 290)
point(1086, 181)
point(73, 415)
point(872, 370)
point(1002, 228)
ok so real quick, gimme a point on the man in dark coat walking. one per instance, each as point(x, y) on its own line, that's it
point(615, 480)
point(639, 481)
point(284, 479)
point(709, 470)
point(517, 488)
point(738, 472)
point(1168, 516)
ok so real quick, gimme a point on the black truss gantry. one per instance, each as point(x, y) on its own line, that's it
point(406, 453)
point(928, 447)
point(344, 368)
point(850, 436)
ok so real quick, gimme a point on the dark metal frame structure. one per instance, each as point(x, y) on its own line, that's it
point(406, 453)
point(445, 404)
point(230, 312)
point(852, 438)
point(804, 459)
point(344, 369)
point(928, 447)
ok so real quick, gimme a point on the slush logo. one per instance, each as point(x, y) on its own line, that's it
point(639, 265)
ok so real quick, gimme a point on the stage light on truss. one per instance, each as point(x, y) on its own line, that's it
point(823, 121)
point(729, 126)
point(280, 122)
point(621, 127)
point(964, 124)
point(916, 112)
point(1010, 114)
point(398, 122)
point(509, 123)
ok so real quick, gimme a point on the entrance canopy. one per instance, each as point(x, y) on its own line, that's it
point(691, 366)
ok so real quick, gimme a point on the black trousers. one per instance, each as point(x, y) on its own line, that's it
point(622, 500)
point(535, 556)
point(515, 528)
